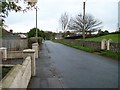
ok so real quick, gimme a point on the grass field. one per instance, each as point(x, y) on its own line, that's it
point(114, 37)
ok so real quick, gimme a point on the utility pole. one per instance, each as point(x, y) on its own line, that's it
point(36, 23)
point(83, 20)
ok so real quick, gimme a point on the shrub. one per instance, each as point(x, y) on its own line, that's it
point(34, 40)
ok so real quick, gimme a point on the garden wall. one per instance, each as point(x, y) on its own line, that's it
point(19, 76)
point(15, 44)
point(92, 44)
point(115, 47)
point(14, 55)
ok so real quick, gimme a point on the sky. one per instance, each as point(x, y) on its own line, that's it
point(50, 11)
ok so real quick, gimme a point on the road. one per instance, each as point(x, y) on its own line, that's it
point(80, 69)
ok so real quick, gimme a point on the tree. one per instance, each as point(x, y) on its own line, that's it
point(64, 20)
point(89, 24)
point(2, 23)
point(32, 33)
point(13, 5)
point(50, 35)
point(100, 32)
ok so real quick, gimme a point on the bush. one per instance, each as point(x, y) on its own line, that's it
point(34, 40)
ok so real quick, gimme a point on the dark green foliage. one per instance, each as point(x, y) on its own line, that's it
point(32, 33)
point(101, 33)
point(34, 40)
point(49, 35)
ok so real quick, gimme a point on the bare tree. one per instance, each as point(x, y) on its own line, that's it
point(64, 20)
point(89, 24)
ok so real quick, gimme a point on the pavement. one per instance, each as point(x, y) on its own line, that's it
point(47, 75)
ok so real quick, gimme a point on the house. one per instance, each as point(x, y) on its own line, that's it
point(13, 41)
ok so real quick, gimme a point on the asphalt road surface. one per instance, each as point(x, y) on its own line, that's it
point(80, 69)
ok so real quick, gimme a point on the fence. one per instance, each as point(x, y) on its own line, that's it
point(15, 44)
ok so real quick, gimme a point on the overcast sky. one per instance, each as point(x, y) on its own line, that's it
point(50, 11)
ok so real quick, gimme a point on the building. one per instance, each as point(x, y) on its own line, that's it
point(119, 15)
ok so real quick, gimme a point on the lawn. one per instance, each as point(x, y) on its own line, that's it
point(114, 38)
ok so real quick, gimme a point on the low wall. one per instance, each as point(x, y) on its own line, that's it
point(115, 47)
point(14, 55)
point(1, 55)
point(19, 76)
point(15, 44)
point(92, 44)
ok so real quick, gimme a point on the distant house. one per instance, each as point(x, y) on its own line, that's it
point(13, 41)
point(10, 35)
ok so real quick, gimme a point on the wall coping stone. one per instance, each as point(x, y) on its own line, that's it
point(29, 50)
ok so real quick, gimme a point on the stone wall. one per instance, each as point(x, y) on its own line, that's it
point(15, 44)
point(1, 55)
point(14, 55)
point(115, 47)
point(19, 76)
point(92, 44)
point(0, 42)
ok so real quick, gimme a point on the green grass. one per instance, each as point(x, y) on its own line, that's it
point(114, 38)
point(87, 49)
point(83, 48)
point(114, 55)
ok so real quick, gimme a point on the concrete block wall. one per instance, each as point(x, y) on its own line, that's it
point(14, 55)
point(35, 46)
point(26, 72)
point(19, 76)
point(15, 44)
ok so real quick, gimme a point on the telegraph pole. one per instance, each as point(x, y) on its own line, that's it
point(36, 23)
point(83, 20)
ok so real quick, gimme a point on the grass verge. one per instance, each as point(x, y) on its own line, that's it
point(114, 55)
point(114, 37)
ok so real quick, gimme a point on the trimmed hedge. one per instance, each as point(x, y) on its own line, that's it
point(34, 40)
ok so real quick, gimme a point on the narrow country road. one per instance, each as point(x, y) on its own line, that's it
point(80, 69)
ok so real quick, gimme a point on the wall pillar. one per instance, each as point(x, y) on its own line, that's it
point(3, 51)
point(35, 46)
point(108, 44)
point(103, 44)
point(31, 52)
